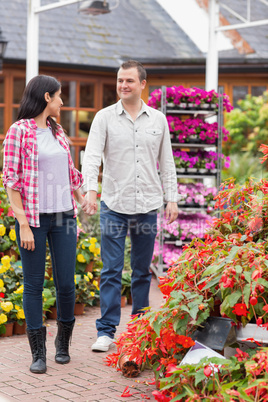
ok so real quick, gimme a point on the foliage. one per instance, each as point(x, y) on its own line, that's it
point(248, 126)
point(241, 378)
point(126, 284)
point(48, 300)
point(86, 289)
point(243, 166)
point(230, 266)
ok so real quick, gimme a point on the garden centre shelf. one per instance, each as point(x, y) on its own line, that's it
point(214, 176)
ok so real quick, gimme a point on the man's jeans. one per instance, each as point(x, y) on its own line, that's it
point(60, 229)
point(114, 228)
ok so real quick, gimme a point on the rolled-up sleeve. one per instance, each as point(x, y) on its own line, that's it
point(12, 158)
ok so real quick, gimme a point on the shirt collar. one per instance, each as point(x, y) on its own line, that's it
point(121, 110)
point(32, 123)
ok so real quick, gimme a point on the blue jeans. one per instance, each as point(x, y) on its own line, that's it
point(60, 229)
point(114, 229)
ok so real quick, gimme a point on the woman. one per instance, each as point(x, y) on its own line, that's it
point(41, 182)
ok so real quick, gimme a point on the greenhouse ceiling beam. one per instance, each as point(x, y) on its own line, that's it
point(212, 63)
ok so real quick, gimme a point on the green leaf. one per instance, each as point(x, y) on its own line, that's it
point(157, 327)
point(246, 293)
point(231, 299)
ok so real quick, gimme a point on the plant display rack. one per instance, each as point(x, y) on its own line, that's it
point(189, 212)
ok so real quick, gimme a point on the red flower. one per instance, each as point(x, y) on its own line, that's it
point(207, 371)
point(255, 224)
point(2, 295)
point(265, 308)
point(160, 397)
point(240, 309)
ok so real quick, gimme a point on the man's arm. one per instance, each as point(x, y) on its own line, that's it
point(168, 176)
point(91, 163)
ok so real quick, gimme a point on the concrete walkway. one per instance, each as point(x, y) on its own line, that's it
point(85, 378)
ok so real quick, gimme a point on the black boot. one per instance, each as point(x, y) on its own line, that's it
point(62, 341)
point(37, 340)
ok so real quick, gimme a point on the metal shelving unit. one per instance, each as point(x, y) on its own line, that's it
point(160, 267)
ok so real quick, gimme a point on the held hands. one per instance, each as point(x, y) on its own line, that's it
point(26, 238)
point(171, 212)
point(89, 204)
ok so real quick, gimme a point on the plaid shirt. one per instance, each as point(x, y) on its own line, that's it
point(20, 171)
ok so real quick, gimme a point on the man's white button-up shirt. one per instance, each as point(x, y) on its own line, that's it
point(133, 152)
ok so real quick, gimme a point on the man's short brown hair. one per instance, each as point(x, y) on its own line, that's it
point(136, 64)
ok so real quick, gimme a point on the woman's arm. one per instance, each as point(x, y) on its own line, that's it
point(78, 196)
point(26, 234)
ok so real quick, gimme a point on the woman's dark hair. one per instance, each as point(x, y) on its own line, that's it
point(33, 100)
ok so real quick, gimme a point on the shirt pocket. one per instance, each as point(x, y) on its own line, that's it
point(27, 149)
point(153, 131)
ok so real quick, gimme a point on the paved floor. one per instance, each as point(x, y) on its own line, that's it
point(85, 378)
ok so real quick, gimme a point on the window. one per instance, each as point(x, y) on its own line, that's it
point(18, 88)
point(257, 90)
point(86, 94)
point(109, 95)
point(68, 93)
point(239, 92)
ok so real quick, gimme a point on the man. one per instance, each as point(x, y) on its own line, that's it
point(133, 139)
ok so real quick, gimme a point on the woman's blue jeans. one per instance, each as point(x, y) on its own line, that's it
point(60, 229)
point(114, 229)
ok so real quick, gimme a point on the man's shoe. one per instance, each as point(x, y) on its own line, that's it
point(102, 344)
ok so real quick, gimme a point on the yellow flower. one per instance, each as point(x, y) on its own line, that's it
point(93, 240)
point(20, 315)
point(81, 258)
point(7, 306)
point(97, 251)
point(92, 294)
point(75, 279)
point(92, 247)
point(3, 318)
point(17, 307)
point(19, 290)
point(2, 230)
point(1, 283)
point(12, 235)
point(96, 284)
point(5, 260)
point(83, 247)
point(90, 275)
point(3, 269)
point(86, 278)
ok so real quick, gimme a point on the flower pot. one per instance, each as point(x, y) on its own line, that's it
point(11, 253)
point(191, 170)
point(9, 329)
point(19, 329)
point(202, 171)
point(79, 308)
point(123, 301)
point(128, 367)
point(52, 314)
point(89, 266)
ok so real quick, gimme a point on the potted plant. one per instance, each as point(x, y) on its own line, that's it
point(86, 291)
point(88, 249)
